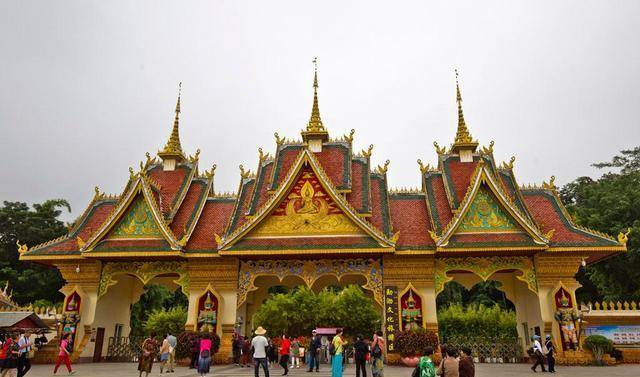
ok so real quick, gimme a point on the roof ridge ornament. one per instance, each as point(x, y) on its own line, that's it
point(173, 148)
point(463, 138)
point(315, 128)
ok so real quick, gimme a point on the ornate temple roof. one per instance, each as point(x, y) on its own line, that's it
point(318, 196)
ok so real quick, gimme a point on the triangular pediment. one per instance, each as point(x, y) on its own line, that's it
point(137, 223)
point(486, 213)
point(306, 206)
point(136, 217)
point(307, 210)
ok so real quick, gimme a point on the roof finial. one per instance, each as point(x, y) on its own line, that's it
point(463, 137)
point(173, 149)
point(315, 128)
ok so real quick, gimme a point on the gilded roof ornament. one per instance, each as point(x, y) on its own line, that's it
point(488, 150)
point(424, 167)
point(439, 150)
point(349, 138)
point(210, 173)
point(623, 237)
point(367, 153)
point(279, 140)
point(382, 169)
point(463, 138)
point(551, 185)
point(173, 148)
point(22, 248)
point(315, 128)
point(244, 174)
point(193, 159)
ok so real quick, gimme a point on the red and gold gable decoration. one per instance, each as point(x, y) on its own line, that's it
point(485, 214)
point(307, 210)
point(72, 303)
point(411, 310)
point(563, 299)
point(208, 312)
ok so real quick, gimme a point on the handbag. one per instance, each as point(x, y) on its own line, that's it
point(416, 372)
point(205, 354)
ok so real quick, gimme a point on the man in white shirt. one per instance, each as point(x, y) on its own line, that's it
point(259, 344)
point(537, 354)
point(24, 347)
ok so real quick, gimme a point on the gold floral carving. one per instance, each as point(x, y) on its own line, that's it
point(484, 268)
point(145, 271)
point(310, 271)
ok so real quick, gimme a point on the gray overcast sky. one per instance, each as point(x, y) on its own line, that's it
point(87, 87)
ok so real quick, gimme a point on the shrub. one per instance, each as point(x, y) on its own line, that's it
point(413, 343)
point(599, 345)
point(476, 322)
point(184, 343)
point(165, 321)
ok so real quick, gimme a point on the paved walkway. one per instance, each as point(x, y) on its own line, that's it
point(482, 370)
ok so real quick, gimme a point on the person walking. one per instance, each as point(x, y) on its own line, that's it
point(164, 354)
point(246, 352)
point(63, 355)
point(234, 349)
point(148, 355)
point(204, 361)
point(538, 356)
point(315, 344)
point(425, 366)
point(466, 367)
point(5, 342)
point(449, 366)
point(11, 360)
point(24, 350)
point(173, 344)
point(285, 350)
point(295, 353)
point(194, 348)
point(551, 350)
point(259, 344)
point(361, 351)
point(337, 348)
point(377, 355)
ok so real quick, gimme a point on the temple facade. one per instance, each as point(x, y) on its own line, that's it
point(317, 213)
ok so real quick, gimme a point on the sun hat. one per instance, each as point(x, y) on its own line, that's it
point(260, 331)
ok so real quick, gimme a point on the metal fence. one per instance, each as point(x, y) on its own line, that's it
point(508, 350)
point(124, 349)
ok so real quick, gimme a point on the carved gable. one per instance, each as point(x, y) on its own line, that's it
point(138, 222)
point(486, 214)
point(307, 210)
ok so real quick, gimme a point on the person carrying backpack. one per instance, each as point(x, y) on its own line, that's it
point(425, 367)
point(63, 354)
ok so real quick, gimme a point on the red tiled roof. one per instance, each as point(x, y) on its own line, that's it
point(440, 203)
point(170, 184)
point(458, 176)
point(336, 162)
point(359, 195)
point(409, 216)
point(186, 212)
point(379, 208)
point(261, 190)
point(213, 220)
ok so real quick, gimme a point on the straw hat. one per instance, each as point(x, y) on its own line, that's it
point(260, 331)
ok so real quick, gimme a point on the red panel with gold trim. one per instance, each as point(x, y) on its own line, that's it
point(411, 310)
point(208, 312)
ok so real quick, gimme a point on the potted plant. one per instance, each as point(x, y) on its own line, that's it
point(411, 344)
point(598, 345)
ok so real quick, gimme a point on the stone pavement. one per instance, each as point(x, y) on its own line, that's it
point(482, 370)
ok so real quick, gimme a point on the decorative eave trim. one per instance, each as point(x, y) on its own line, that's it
point(389, 250)
point(491, 248)
point(238, 204)
point(304, 157)
point(479, 176)
point(129, 254)
point(415, 252)
point(50, 257)
point(139, 186)
point(557, 249)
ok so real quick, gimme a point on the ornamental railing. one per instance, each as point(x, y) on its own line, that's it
point(503, 350)
point(124, 349)
point(604, 306)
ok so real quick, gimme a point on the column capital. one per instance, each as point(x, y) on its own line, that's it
point(401, 269)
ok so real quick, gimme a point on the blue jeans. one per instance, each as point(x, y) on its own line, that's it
point(257, 363)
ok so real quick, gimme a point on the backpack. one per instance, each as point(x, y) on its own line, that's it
point(332, 349)
point(376, 351)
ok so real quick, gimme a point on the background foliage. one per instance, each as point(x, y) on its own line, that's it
point(31, 225)
point(300, 310)
point(610, 204)
point(166, 321)
point(413, 343)
point(476, 321)
point(156, 298)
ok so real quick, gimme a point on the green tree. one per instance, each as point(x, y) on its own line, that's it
point(610, 204)
point(301, 310)
point(156, 298)
point(166, 321)
point(31, 226)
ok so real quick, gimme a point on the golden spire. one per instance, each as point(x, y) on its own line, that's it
point(463, 137)
point(315, 128)
point(173, 149)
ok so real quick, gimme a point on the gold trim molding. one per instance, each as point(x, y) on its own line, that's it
point(144, 271)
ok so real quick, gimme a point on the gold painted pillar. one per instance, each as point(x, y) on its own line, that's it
point(82, 277)
point(419, 270)
point(554, 271)
point(219, 275)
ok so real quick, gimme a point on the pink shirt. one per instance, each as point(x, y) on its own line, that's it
point(205, 344)
point(63, 346)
